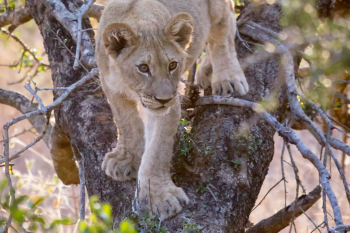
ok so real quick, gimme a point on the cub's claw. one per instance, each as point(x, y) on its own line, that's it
point(163, 197)
point(120, 164)
point(227, 82)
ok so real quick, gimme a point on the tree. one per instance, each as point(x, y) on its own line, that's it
point(222, 161)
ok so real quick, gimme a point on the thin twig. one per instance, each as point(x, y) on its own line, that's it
point(8, 177)
point(297, 188)
point(324, 208)
point(342, 175)
point(267, 194)
point(295, 168)
point(288, 135)
point(320, 225)
point(82, 188)
point(20, 133)
point(212, 193)
point(24, 46)
point(51, 88)
point(50, 107)
point(64, 44)
point(316, 227)
point(83, 9)
point(38, 99)
point(37, 139)
point(283, 175)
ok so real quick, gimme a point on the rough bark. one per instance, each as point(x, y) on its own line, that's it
point(233, 160)
point(85, 119)
point(229, 163)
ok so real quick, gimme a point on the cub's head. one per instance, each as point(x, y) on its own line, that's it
point(150, 59)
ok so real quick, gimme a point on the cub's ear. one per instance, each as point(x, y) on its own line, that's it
point(117, 36)
point(180, 29)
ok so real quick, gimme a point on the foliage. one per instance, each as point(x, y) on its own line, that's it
point(326, 51)
point(25, 212)
point(186, 142)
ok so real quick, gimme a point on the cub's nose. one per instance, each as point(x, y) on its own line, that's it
point(162, 101)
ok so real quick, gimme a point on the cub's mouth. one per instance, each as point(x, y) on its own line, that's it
point(157, 105)
point(154, 108)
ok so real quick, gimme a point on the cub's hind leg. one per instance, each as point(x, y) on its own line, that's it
point(227, 74)
point(123, 161)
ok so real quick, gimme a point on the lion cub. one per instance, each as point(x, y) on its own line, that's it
point(142, 49)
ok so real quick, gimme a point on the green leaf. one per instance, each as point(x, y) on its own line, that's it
point(127, 227)
point(3, 184)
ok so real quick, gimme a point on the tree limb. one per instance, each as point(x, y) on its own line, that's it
point(16, 17)
point(22, 16)
point(83, 9)
point(50, 107)
point(283, 217)
point(24, 105)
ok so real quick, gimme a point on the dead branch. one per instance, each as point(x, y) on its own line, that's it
point(37, 139)
point(297, 112)
point(69, 21)
point(24, 105)
point(16, 18)
point(49, 108)
point(83, 9)
point(82, 188)
point(22, 132)
point(283, 217)
point(290, 136)
point(8, 177)
point(24, 46)
point(22, 16)
point(267, 193)
point(338, 228)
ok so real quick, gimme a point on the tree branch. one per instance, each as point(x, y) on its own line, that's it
point(283, 217)
point(70, 22)
point(16, 17)
point(24, 105)
point(290, 136)
point(83, 9)
point(50, 107)
point(22, 16)
point(24, 46)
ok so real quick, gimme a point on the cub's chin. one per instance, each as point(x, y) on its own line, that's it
point(159, 111)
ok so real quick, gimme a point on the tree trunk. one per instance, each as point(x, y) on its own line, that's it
point(84, 122)
point(225, 171)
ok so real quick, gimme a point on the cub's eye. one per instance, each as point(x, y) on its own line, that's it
point(143, 68)
point(173, 65)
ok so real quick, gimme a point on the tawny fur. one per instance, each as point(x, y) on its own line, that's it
point(157, 33)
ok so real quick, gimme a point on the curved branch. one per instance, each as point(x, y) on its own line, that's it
point(16, 17)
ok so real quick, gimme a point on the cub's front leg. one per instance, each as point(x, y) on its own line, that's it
point(122, 162)
point(154, 174)
point(227, 75)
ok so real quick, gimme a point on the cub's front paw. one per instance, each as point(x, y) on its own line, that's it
point(162, 195)
point(228, 81)
point(121, 164)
